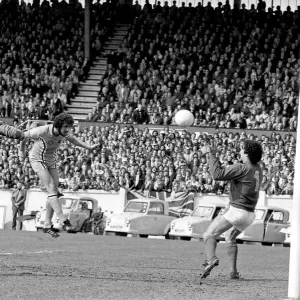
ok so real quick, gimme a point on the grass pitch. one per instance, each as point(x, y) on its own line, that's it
point(34, 266)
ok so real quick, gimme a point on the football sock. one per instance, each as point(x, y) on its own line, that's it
point(49, 215)
point(11, 132)
point(232, 251)
point(54, 202)
point(210, 247)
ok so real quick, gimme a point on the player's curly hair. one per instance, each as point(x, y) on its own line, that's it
point(254, 151)
point(63, 119)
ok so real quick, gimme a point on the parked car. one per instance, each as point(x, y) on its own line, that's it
point(141, 217)
point(76, 209)
point(194, 225)
point(267, 226)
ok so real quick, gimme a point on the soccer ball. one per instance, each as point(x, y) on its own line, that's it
point(184, 118)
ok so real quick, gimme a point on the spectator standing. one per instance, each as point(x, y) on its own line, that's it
point(18, 199)
point(140, 116)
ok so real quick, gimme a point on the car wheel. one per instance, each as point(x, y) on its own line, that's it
point(266, 244)
point(286, 245)
point(121, 234)
point(110, 233)
point(239, 242)
point(185, 238)
point(144, 236)
point(168, 236)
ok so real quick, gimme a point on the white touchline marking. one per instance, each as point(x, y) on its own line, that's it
point(30, 252)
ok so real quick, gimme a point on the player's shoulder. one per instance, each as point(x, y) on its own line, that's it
point(249, 166)
point(70, 136)
point(37, 131)
point(47, 128)
point(241, 168)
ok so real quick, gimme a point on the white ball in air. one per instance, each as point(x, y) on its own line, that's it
point(184, 118)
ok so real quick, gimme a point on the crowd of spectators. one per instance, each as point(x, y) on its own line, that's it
point(233, 68)
point(42, 55)
point(145, 160)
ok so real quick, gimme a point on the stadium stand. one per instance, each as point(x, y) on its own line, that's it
point(232, 68)
point(42, 55)
point(142, 160)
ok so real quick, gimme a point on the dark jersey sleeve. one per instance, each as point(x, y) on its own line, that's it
point(230, 172)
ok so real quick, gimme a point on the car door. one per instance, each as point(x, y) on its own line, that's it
point(157, 221)
point(255, 232)
point(205, 217)
point(273, 226)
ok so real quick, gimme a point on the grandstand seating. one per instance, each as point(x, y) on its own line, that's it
point(235, 69)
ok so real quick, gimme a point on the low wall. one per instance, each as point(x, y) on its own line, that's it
point(209, 130)
point(36, 199)
point(110, 201)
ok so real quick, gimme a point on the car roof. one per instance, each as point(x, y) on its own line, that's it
point(211, 204)
point(147, 200)
point(75, 197)
point(271, 208)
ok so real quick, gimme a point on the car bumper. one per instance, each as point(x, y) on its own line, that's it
point(185, 233)
point(120, 228)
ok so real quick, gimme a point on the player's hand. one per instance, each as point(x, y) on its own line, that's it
point(212, 148)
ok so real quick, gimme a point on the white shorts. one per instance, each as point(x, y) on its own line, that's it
point(239, 218)
point(37, 166)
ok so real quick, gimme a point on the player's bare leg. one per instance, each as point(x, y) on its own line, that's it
point(49, 209)
point(49, 214)
point(52, 188)
point(216, 228)
point(232, 251)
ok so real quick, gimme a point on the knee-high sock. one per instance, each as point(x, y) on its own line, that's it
point(210, 247)
point(232, 251)
point(49, 214)
point(11, 132)
point(54, 202)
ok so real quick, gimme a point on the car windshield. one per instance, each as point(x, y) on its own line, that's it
point(259, 214)
point(67, 203)
point(136, 207)
point(202, 212)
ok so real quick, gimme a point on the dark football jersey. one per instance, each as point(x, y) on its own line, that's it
point(245, 181)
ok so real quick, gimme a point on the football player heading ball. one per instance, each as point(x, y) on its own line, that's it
point(47, 139)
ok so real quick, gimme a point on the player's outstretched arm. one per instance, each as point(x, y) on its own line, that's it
point(22, 147)
point(220, 173)
point(77, 142)
point(11, 132)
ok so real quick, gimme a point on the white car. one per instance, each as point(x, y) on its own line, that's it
point(267, 228)
point(194, 225)
point(141, 217)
